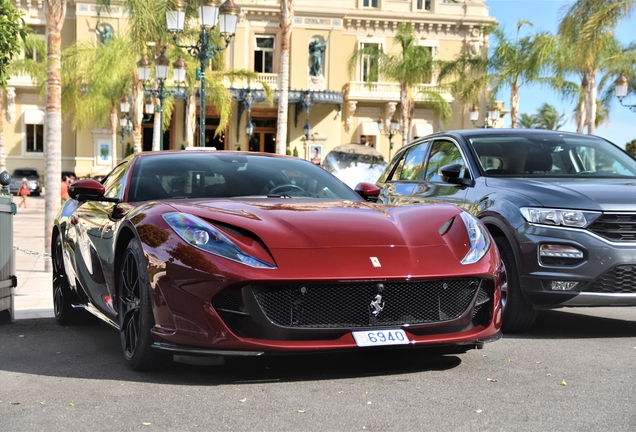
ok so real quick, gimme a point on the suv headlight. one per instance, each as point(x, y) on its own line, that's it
point(478, 238)
point(202, 235)
point(556, 217)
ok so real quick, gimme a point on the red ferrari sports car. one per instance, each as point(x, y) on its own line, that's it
point(196, 255)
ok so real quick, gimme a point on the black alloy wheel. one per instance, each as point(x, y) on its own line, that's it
point(135, 310)
point(518, 316)
point(63, 296)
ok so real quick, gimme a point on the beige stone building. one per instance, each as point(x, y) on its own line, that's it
point(338, 107)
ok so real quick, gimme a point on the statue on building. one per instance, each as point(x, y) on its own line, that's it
point(105, 31)
point(317, 53)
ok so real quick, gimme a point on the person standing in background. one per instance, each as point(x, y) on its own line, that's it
point(64, 190)
point(23, 192)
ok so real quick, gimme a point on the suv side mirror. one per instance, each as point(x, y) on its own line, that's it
point(450, 174)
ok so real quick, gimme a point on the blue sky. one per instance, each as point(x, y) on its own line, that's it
point(545, 15)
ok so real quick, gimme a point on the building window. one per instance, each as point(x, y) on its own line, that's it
point(429, 79)
point(424, 4)
point(369, 65)
point(370, 3)
point(35, 138)
point(30, 51)
point(264, 54)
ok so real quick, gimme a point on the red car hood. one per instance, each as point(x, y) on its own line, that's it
point(311, 224)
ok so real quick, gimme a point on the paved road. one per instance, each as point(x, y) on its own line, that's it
point(575, 371)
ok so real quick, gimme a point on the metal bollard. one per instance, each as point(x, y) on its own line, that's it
point(8, 280)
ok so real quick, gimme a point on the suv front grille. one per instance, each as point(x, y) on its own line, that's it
point(616, 226)
point(620, 279)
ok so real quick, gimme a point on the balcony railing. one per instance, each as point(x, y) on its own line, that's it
point(387, 91)
point(271, 79)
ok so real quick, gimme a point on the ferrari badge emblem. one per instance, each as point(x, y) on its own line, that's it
point(377, 305)
point(375, 261)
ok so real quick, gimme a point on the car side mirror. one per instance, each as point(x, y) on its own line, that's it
point(368, 191)
point(450, 174)
point(88, 190)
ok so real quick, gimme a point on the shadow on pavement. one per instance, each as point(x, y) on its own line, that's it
point(42, 347)
point(568, 324)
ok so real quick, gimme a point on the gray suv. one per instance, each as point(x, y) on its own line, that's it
point(32, 177)
point(561, 208)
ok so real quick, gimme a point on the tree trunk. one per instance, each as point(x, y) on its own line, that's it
point(3, 161)
point(580, 108)
point(156, 132)
point(55, 13)
point(404, 101)
point(590, 103)
point(580, 115)
point(286, 19)
point(514, 106)
point(114, 122)
point(137, 115)
point(191, 120)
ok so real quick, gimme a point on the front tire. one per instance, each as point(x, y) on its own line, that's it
point(63, 296)
point(518, 316)
point(136, 319)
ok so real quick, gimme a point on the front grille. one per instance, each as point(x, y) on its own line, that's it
point(616, 226)
point(620, 279)
point(350, 305)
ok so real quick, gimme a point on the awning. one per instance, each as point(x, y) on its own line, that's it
point(421, 128)
point(369, 128)
point(34, 117)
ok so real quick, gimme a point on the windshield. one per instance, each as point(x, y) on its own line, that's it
point(554, 155)
point(230, 175)
point(353, 167)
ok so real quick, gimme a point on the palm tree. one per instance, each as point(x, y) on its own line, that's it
point(95, 78)
point(55, 14)
point(12, 35)
point(528, 121)
point(28, 66)
point(410, 67)
point(286, 20)
point(548, 117)
point(514, 63)
point(587, 31)
point(147, 23)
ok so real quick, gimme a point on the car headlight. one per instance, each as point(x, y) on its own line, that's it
point(206, 237)
point(478, 238)
point(556, 217)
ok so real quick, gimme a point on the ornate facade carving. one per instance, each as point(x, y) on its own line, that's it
point(10, 104)
point(351, 110)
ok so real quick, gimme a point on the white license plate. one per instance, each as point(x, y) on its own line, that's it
point(380, 338)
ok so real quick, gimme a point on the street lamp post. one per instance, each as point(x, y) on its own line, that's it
point(162, 65)
point(621, 86)
point(491, 118)
point(393, 130)
point(211, 14)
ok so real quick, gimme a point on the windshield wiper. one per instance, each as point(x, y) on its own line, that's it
point(278, 196)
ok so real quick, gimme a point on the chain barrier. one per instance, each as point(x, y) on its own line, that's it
point(44, 255)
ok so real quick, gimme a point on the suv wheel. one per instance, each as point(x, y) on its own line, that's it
point(518, 316)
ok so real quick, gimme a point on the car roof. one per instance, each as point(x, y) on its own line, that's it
point(469, 133)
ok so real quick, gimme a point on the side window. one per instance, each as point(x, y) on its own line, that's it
point(369, 66)
point(264, 54)
point(414, 162)
point(443, 153)
point(115, 181)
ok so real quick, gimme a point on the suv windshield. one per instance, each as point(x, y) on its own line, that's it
point(538, 155)
point(28, 173)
